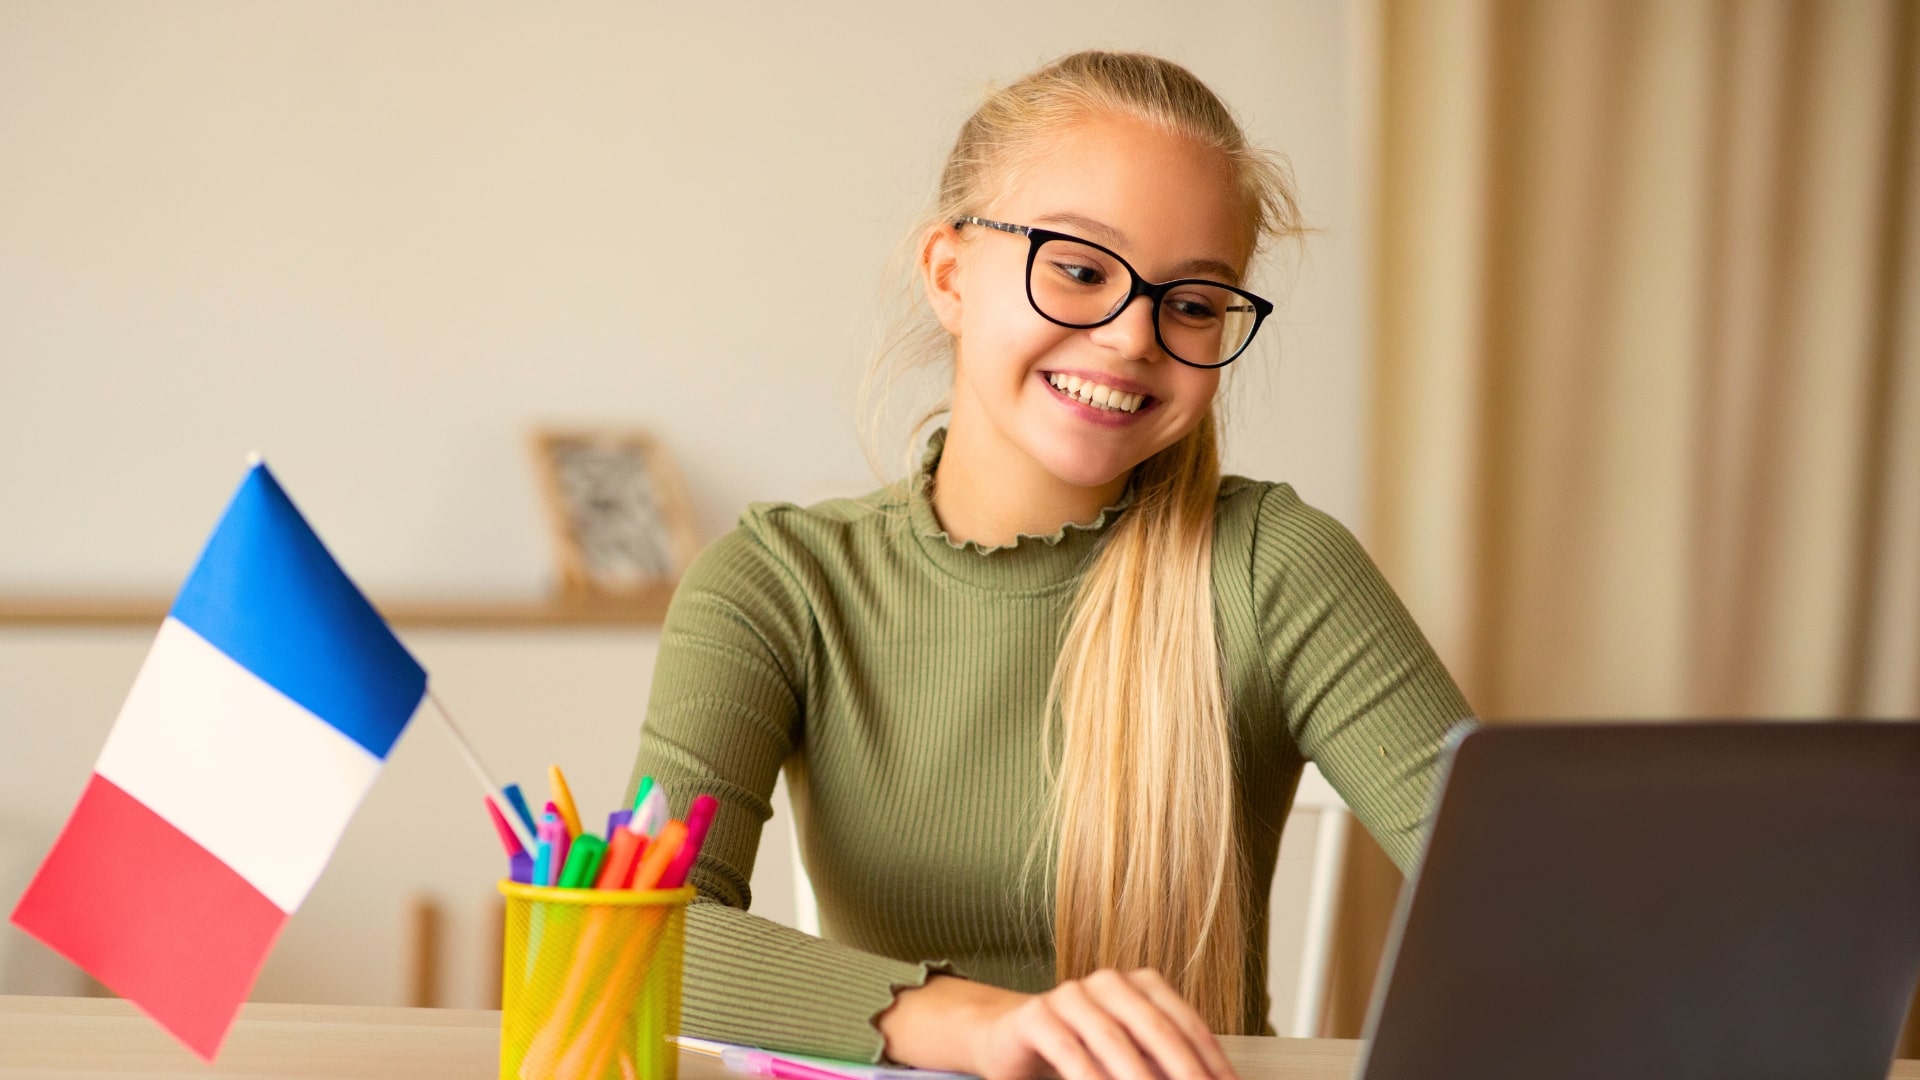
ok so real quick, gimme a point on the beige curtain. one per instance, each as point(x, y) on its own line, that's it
point(1647, 318)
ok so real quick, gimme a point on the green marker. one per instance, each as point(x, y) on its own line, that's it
point(646, 785)
point(583, 862)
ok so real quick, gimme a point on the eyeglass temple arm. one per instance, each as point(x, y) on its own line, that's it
point(1017, 230)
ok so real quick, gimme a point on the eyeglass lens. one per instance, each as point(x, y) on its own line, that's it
point(1078, 284)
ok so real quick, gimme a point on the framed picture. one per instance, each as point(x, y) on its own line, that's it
point(618, 511)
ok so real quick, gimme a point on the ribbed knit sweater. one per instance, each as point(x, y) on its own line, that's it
point(898, 677)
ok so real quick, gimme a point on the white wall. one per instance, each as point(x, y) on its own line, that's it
point(377, 241)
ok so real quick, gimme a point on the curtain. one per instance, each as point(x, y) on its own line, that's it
point(1646, 324)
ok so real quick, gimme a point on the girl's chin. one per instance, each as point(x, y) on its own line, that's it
point(1088, 467)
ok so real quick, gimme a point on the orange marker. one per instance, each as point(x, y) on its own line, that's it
point(660, 852)
point(622, 854)
point(563, 800)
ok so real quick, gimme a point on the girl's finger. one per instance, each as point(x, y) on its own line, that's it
point(1161, 993)
point(1149, 1025)
point(1055, 1040)
point(1102, 1033)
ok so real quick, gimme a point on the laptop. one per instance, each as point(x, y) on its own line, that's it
point(1659, 900)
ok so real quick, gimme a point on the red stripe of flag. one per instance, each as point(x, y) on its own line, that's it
point(152, 915)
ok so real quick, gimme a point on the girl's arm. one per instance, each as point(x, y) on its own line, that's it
point(1364, 695)
point(725, 710)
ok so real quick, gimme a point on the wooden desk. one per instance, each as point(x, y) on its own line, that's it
point(53, 1038)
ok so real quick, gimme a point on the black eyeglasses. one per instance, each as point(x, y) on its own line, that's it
point(1079, 284)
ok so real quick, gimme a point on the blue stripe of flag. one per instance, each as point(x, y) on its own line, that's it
point(266, 593)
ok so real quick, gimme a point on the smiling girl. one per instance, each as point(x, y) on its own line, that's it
point(1042, 705)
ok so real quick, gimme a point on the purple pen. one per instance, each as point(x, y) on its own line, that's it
point(616, 820)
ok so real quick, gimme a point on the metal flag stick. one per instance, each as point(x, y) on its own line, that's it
point(494, 795)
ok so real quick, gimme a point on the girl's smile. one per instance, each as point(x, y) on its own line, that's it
point(1099, 398)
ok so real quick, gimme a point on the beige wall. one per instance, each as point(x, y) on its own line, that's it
point(376, 241)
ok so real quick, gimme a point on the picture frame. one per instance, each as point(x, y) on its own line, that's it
point(617, 509)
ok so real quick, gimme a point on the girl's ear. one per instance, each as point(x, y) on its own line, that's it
point(940, 273)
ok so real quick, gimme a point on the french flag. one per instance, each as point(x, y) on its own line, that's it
point(265, 709)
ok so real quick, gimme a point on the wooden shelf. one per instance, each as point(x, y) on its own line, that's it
point(639, 610)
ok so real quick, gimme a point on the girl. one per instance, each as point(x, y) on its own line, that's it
point(1043, 704)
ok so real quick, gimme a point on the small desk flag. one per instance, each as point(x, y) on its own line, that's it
point(259, 719)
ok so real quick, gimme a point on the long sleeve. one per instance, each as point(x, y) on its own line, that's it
point(727, 707)
point(1364, 695)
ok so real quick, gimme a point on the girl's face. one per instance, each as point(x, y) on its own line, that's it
point(1167, 206)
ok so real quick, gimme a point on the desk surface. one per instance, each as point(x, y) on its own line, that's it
point(73, 1038)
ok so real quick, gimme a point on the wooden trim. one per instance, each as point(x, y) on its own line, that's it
point(424, 919)
point(570, 571)
point(639, 609)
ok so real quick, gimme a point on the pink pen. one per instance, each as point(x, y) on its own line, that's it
point(557, 837)
point(761, 1063)
point(699, 819)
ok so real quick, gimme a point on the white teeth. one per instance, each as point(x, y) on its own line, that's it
point(1096, 395)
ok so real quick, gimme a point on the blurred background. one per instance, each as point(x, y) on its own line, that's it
point(1607, 345)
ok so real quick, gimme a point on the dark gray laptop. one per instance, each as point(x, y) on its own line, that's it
point(1660, 900)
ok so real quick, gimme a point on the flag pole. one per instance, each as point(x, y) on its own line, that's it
point(507, 812)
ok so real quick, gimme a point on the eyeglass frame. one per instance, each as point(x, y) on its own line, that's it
point(1137, 288)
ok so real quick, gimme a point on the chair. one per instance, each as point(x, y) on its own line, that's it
point(806, 908)
point(1331, 822)
point(1332, 819)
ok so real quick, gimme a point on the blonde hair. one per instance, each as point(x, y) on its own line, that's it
point(1144, 820)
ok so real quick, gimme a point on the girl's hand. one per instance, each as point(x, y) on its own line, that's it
point(1108, 1026)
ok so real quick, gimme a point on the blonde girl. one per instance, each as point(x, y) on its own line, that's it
point(1042, 704)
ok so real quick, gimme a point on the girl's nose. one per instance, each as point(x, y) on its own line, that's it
point(1131, 332)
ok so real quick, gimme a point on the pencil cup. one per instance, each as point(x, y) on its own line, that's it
point(590, 983)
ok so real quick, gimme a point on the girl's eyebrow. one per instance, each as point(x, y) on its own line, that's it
point(1107, 234)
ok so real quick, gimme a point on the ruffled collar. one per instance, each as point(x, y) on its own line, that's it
point(1029, 562)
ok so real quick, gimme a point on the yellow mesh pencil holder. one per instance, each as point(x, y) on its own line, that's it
point(590, 983)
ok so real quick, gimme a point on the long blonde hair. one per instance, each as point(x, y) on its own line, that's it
point(1144, 822)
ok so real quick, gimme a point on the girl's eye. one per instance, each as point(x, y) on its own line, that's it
point(1085, 275)
point(1193, 308)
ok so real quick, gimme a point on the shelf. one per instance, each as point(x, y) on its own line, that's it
point(638, 610)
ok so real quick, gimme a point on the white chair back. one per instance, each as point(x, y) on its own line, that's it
point(806, 908)
point(1323, 897)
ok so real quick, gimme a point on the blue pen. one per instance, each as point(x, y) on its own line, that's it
point(545, 865)
point(542, 861)
point(519, 801)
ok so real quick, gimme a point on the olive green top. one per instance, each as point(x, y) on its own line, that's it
point(898, 677)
